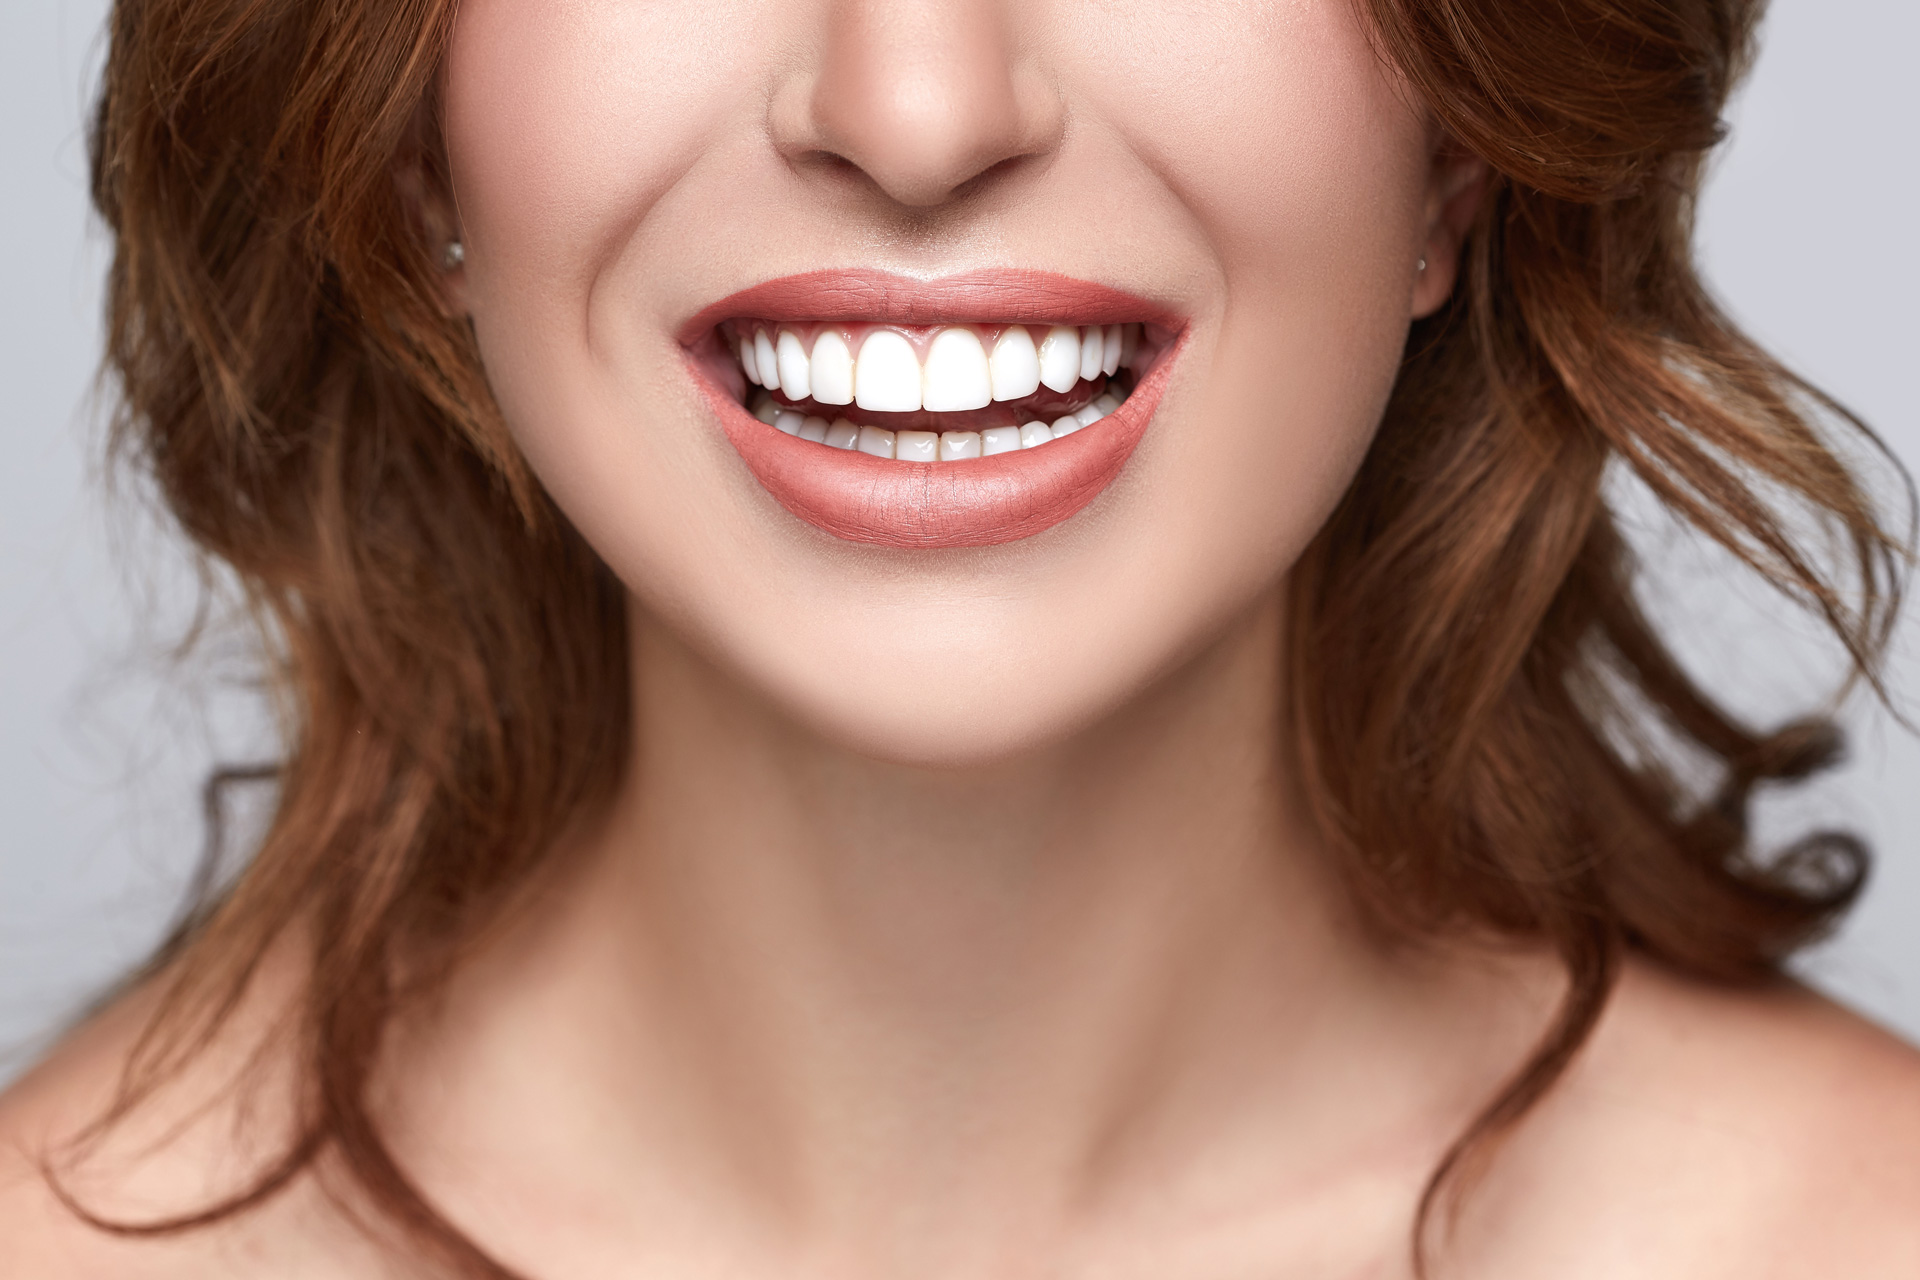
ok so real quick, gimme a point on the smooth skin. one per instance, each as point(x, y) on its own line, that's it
point(959, 916)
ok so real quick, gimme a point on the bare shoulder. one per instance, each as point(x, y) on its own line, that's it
point(172, 1160)
point(39, 1235)
point(1710, 1132)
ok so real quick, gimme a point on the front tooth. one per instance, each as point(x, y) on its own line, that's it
point(1035, 433)
point(955, 445)
point(789, 421)
point(792, 363)
point(1015, 364)
point(842, 434)
point(748, 365)
point(956, 376)
point(1066, 426)
point(814, 429)
point(886, 378)
point(1060, 358)
point(916, 446)
point(1092, 346)
point(832, 371)
point(999, 440)
point(764, 361)
point(1110, 351)
point(877, 441)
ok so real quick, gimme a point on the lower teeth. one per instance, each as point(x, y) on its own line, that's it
point(929, 446)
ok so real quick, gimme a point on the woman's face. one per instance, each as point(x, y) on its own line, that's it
point(919, 208)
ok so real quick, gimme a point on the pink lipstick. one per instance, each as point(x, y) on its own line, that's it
point(917, 439)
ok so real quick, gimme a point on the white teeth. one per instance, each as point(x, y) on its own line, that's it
point(955, 445)
point(886, 378)
point(1092, 345)
point(832, 371)
point(999, 440)
point(792, 363)
point(928, 446)
point(956, 377)
point(916, 446)
point(1060, 358)
point(765, 363)
point(1015, 364)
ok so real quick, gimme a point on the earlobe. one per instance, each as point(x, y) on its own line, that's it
point(1455, 191)
point(453, 276)
point(432, 215)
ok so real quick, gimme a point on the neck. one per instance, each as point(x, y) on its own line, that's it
point(898, 1005)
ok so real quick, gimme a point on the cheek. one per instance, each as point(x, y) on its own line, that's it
point(1298, 162)
point(569, 124)
point(566, 121)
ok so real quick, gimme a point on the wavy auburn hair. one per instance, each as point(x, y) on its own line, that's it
point(1495, 737)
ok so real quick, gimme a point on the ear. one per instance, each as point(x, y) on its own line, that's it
point(420, 178)
point(1457, 182)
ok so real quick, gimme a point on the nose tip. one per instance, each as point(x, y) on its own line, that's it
point(921, 96)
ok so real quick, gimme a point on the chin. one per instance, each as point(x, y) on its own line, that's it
point(908, 685)
point(958, 725)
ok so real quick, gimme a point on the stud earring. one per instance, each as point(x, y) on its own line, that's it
point(1423, 265)
point(453, 255)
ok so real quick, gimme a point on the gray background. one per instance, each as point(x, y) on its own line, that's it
point(1808, 234)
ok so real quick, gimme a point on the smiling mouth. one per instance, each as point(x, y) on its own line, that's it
point(909, 413)
point(935, 393)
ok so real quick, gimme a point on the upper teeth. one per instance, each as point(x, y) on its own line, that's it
point(956, 372)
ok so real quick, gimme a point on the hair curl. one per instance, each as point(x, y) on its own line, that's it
point(1471, 671)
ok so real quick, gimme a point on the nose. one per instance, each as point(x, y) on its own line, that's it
point(921, 96)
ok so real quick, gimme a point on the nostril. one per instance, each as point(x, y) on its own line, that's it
point(831, 162)
point(988, 176)
point(927, 99)
point(831, 165)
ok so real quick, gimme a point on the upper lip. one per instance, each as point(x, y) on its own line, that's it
point(1007, 295)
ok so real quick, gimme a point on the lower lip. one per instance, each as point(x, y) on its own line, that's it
point(978, 502)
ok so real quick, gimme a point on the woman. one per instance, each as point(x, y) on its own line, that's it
point(968, 638)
